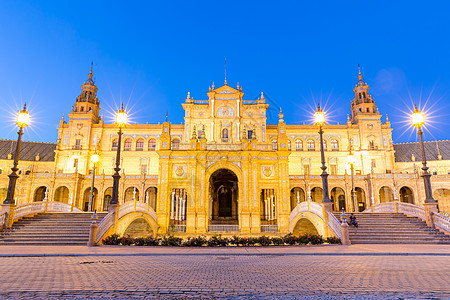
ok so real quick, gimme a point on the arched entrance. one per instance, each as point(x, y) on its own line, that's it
point(139, 228)
point(39, 194)
point(337, 196)
point(107, 198)
point(406, 195)
point(223, 189)
point(131, 193)
point(62, 194)
point(86, 194)
point(361, 198)
point(442, 196)
point(317, 194)
point(386, 194)
point(150, 197)
point(297, 195)
point(304, 226)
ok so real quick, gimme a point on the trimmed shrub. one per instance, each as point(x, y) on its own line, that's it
point(333, 240)
point(196, 241)
point(217, 241)
point(290, 239)
point(277, 241)
point(264, 241)
point(171, 241)
point(127, 240)
point(113, 239)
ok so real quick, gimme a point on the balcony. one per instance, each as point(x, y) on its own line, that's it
point(77, 147)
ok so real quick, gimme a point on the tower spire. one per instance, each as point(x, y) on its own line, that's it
point(225, 71)
point(90, 73)
point(359, 72)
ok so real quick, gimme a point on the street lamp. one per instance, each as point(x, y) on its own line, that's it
point(418, 121)
point(351, 161)
point(319, 120)
point(121, 121)
point(23, 118)
point(94, 159)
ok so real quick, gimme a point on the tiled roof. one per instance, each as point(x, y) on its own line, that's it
point(404, 151)
point(28, 150)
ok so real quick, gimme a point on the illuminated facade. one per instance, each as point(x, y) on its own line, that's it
point(225, 166)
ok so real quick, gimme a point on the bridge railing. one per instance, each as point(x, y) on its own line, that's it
point(104, 225)
point(28, 209)
point(335, 225)
point(382, 207)
point(412, 210)
point(61, 207)
point(441, 222)
point(307, 206)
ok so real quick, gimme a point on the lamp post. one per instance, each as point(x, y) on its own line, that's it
point(23, 118)
point(94, 159)
point(351, 161)
point(121, 121)
point(418, 121)
point(319, 120)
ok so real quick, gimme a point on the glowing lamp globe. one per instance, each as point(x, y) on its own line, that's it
point(121, 118)
point(417, 118)
point(319, 117)
point(351, 159)
point(95, 158)
point(23, 118)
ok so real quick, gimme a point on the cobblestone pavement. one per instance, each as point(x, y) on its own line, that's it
point(225, 277)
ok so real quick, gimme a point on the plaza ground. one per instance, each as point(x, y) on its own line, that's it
point(371, 271)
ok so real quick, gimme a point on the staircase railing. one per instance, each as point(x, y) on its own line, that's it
point(61, 207)
point(104, 225)
point(3, 218)
point(441, 222)
point(335, 225)
point(382, 207)
point(412, 210)
point(28, 209)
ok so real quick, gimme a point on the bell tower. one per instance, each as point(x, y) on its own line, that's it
point(363, 106)
point(87, 102)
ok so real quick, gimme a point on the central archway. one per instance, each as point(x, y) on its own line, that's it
point(223, 191)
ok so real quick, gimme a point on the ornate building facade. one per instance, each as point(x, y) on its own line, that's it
point(225, 166)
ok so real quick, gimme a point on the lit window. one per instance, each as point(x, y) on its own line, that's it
point(140, 145)
point(127, 144)
point(298, 145)
point(334, 145)
point(175, 144)
point(311, 145)
point(274, 145)
point(115, 144)
point(151, 144)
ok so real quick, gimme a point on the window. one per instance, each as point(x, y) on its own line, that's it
point(127, 145)
point(94, 140)
point(75, 162)
point(151, 144)
point(225, 135)
point(144, 169)
point(306, 169)
point(374, 163)
point(333, 169)
point(355, 140)
point(289, 144)
point(251, 134)
point(359, 95)
point(274, 144)
point(115, 144)
point(311, 145)
point(140, 145)
point(384, 141)
point(334, 145)
point(298, 145)
point(60, 171)
point(368, 110)
point(176, 144)
point(77, 144)
point(65, 140)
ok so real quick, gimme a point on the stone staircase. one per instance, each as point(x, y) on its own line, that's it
point(392, 228)
point(50, 229)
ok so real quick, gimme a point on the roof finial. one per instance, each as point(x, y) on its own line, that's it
point(213, 86)
point(225, 71)
point(90, 73)
point(359, 72)
point(167, 115)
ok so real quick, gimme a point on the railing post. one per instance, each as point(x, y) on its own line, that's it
point(344, 228)
point(396, 202)
point(429, 209)
point(115, 208)
point(326, 207)
point(93, 231)
point(9, 209)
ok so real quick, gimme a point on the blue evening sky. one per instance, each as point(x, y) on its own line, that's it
point(149, 54)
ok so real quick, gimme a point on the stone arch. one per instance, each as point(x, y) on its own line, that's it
point(139, 228)
point(126, 220)
point(317, 194)
point(337, 196)
point(85, 204)
point(314, 219)
point(304, 226)
point(361, 198)
point(406, 195)
point(442, 196)
point(130, 193)
point(297, 194)
point(107, 196)
point(39, 193)
point(224, 195)
point(151, 196)
point(61, 194)
point(386, 194)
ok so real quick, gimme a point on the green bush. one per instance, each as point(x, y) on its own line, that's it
point(277, 241)
point(333, 240)
point(290, 239)
point(113, 239)
point(264, 240)
point(196, 241)
point(217, 241)
point(127, 240)
point(171, 241)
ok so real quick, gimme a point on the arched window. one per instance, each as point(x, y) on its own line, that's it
point(225, 135)
point(364, 95)
point(140, 145)
point(359, 95)
point(311, 145)
point(289, 144)
point(274, 144)
point(127, 145)
point(151, 145)
point(334, 145)
point(115, 144)
point(175, 144)
point(298, 145)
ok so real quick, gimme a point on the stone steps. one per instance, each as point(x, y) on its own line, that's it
point(50, 229)
point(391, 228)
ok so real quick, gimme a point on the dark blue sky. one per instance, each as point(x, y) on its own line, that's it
point(150, 54)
